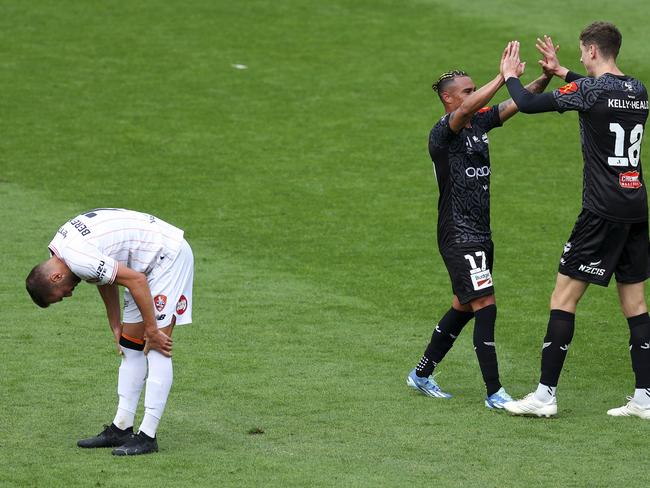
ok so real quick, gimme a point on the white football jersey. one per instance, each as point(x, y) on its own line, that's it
point(91, 244)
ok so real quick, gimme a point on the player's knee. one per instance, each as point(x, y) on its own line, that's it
point(563, 301)
point(632, 308)
point(459, 306)
point(482, 302)
point(133, 343)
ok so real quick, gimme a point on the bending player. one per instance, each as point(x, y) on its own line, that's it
point(151, 259)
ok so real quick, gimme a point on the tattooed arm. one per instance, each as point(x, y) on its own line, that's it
point(508, 108)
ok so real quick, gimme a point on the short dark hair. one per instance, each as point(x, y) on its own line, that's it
point(605, 35)
point(38, 286)
point(445, 79)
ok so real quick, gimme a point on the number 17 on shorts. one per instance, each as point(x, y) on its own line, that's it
point(479, 273)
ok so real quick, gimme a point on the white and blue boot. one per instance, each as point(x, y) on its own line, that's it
point(425, 385)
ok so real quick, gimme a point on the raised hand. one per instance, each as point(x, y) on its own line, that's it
point(511, 65)
point(548, 50)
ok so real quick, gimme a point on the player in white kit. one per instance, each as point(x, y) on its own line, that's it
point(150, 258)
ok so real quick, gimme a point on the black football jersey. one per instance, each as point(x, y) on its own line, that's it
point(462, 166)
point(612, 112)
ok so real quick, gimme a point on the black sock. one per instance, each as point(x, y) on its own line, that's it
point(640, 349)
point(558, 337)
point(443, 337)
point(485, 348)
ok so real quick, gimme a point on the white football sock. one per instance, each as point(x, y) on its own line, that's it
point(159, 382)
point(130, 381)
point(642, 397)
point(545, 393)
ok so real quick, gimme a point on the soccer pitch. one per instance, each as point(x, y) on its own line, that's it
point(289, 140)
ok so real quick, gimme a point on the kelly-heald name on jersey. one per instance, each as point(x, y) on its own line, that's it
point(613, 111)
point(627, 104)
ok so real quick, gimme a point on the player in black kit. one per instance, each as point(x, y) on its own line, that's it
point(458, 145)
point(611, 233)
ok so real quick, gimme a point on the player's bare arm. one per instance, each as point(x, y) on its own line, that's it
point(137, 284)
point(508, 108)
point(474, 101)
point(111, 298)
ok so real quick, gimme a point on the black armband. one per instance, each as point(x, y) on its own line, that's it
point(527, 102)
point(572, 76)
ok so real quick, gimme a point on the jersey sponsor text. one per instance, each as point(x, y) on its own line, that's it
point(629, 180)
point(592, 270)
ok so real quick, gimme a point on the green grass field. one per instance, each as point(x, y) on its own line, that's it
point(305, 188)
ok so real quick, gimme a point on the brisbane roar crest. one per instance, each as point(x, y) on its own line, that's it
point(568, 88)
point(159, 302)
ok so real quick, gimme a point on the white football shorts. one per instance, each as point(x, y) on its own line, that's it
point(171, 289)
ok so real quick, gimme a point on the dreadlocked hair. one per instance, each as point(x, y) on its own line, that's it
point(440, 84)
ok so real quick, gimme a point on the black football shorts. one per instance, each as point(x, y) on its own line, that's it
point(470, 269)
point(599, 248)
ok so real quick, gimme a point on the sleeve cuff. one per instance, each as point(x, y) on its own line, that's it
point(572, 76)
